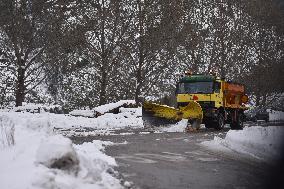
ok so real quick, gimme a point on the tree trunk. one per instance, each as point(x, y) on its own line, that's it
point(257, 100)
point(139, 79)
point(20, 90)
point(103, 89)
point(102, 97)
point(223, 59)
point(141, 56)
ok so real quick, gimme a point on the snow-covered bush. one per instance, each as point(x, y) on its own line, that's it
point(7, 129)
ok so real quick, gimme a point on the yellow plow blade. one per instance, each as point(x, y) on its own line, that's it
point(156, 114)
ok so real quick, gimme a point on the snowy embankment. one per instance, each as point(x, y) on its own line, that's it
point(31, 156)
point(107, 121)
point(264, 143)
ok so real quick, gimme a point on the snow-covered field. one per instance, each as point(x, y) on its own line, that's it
point(33, 156)
point(263, 143)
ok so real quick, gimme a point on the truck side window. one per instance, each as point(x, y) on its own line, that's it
point(217, 87)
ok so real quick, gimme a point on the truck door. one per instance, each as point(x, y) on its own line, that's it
point(217, 95)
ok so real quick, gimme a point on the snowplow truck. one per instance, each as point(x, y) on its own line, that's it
point(201, 99)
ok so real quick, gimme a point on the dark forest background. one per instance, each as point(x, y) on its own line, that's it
point(84, 53)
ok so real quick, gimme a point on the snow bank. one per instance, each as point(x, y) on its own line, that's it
point(117, 107)
point(264, 143)
point(40, 160)
point(48, 121)
point(6, 132)
point(107, 107)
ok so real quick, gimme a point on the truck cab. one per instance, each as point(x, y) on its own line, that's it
point(221, 101)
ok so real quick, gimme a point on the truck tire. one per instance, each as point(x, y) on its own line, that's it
point(220, 122)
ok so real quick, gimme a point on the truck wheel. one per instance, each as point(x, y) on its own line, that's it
point(220, 122)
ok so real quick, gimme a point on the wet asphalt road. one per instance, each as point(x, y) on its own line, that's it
point(178, 161)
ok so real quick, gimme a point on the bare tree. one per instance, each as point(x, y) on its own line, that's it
point(25, 25)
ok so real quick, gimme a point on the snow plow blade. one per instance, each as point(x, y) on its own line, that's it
point(156, 115)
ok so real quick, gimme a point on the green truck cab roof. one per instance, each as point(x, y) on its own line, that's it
point(197, 78)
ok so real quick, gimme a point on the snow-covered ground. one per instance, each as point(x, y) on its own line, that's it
point(33, 156)
point(263, 143)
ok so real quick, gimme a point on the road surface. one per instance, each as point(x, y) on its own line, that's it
point(178, 161)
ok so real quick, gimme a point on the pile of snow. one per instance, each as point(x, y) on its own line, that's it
point(38, 159)
point(178, 127)
point(6, 132)
point(263, 143)
point(83, 113)
point(117, 107)
point(108, 107)
point(276, 115)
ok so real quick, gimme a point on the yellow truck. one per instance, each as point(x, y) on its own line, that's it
point(201, 99)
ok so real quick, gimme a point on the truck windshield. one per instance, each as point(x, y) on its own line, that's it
point(195, 88)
